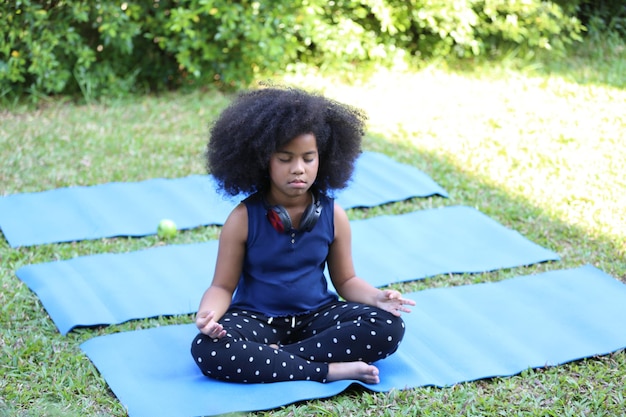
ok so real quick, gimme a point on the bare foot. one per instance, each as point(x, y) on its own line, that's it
point(353, 370)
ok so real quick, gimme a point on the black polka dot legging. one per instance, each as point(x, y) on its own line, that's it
point(338, 332)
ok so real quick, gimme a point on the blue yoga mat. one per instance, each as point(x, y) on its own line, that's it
point(136, 208)
point(168, 280)
point(453, 335)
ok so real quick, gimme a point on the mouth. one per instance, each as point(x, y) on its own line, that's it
point(298, 183)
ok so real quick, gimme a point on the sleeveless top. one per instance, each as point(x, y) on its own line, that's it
point(283, 273)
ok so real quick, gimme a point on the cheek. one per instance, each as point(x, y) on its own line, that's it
point(275, 170)
point(315, 167)
point(272, 166)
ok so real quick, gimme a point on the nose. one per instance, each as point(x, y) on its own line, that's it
point(298, 166)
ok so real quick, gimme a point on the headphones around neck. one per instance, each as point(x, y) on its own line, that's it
point(280, 220)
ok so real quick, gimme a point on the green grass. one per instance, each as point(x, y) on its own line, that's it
point(540, 148)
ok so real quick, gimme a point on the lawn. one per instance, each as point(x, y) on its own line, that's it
point(539, 148)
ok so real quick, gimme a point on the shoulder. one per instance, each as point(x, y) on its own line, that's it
point(339, 213)
point(341, 222)
point(236, 225)
point(240, 211)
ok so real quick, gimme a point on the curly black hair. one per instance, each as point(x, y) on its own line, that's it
point(259, 122)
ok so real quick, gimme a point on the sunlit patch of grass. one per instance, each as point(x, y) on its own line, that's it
point(541, 155)
point(543, 139)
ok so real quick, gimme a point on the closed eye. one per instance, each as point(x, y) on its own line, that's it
point(289, 158)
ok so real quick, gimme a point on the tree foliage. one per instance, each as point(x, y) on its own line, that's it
point(100, 48)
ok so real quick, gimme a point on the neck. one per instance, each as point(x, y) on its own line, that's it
point(290, 202)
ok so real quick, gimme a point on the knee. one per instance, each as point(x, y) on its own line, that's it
point(392, 330)
point(199, 343)
point(201, 349)
point(397, 326)
point(390, 324)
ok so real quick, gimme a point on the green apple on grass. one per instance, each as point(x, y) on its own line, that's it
point(166, 229)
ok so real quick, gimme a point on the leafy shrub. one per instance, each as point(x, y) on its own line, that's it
point(102, 48)
point(477, 27)
point(59, 47)
point(536, 24)
point(231, 41)
point(604, 16)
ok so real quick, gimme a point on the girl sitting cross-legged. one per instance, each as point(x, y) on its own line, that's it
point(268, 314)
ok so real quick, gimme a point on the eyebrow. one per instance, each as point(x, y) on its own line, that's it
point(293, 153)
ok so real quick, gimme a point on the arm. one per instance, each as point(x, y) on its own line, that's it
point(347, 283)
point(231, 251)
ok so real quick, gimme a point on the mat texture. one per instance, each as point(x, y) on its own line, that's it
point(136, 208)
point(168, 280)
point(453, 335)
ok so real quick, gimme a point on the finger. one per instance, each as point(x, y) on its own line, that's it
point(407, 301)
point(202, 322)
point(392, 295)
point(218, 332)
point(210, 330)
point(397, 311)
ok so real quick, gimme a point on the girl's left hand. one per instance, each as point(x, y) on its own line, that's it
point(392, 301)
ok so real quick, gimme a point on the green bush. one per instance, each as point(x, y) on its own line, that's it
point(604, 16)
point(231, 42)
point(532, 25)
point(57, 47)
point(104, 48)
point(478, 27)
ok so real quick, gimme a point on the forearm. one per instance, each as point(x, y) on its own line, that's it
point(358, 290)
point(215, 299)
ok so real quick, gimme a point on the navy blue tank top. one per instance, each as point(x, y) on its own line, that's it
point(283, 273)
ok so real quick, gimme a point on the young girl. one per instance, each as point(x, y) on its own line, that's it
point(269, 315)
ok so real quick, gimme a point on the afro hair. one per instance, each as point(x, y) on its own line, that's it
point(259, 122)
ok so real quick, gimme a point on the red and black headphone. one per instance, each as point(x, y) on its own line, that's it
point(280, 220)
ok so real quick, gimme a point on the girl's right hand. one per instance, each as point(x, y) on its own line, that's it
point(205, 322)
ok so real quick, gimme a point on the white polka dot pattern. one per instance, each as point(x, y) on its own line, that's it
point(339, 332)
